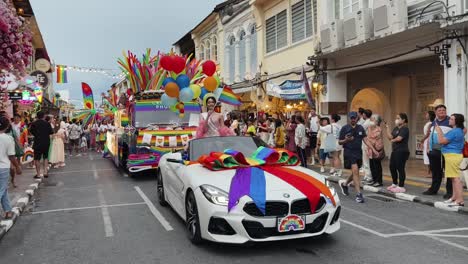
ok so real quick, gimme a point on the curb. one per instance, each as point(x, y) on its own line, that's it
point(18, 208)
point(407, 197)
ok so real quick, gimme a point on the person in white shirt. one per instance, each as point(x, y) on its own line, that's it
point(313, 130)
point(7, 158)
point(300, 140)
point(321, 137)
point(365, 157)
point(361, 119)
point(334, 128)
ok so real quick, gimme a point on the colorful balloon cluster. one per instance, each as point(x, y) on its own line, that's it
point(184, 83)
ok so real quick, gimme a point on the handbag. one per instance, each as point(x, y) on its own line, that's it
point(330, 142)
point(465, 150)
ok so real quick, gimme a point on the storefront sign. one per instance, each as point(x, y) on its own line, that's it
point(419, 149)
point(288, 90)
point(15, 95)
point(42, 65)
point(41, 78)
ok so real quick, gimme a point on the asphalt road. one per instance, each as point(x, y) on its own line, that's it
point(68, 224)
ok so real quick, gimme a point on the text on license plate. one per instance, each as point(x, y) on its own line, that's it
point(291, 223)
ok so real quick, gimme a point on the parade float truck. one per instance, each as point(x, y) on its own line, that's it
point(162, 105)
point(156, 131)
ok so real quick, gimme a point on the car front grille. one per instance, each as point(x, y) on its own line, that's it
point(257, 231)
point(276, 209)
point(302, 206)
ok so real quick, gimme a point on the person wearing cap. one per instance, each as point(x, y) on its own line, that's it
point(351, 137)
point(436, 159)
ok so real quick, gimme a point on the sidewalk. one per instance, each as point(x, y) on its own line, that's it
point(19, 197)
point(416, 183)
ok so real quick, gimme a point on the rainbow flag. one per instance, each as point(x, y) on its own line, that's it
point(88, 100)
point(61, 74)
point(229, 97)
point(308, 92)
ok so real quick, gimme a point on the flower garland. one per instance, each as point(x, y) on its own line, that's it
point(15, 41)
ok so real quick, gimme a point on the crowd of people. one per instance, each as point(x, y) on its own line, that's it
point(51, 139)
point(316, 139)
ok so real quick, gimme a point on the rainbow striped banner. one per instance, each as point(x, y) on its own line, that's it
point(155, 105)
point(229, 97)
point(61, 74)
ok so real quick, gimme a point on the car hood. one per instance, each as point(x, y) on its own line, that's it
point(200, 175)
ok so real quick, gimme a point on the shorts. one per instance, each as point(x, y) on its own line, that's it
point(323, 155)
point(452, 164)
point(41, 153)
point(313, 140)
point(349, 161)
point(74, 142)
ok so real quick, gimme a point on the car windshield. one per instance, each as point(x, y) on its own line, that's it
point(203, 146)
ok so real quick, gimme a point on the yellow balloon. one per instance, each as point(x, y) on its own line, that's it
point(196, 90)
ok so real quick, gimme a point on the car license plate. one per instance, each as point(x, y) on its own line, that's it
point(291, 223)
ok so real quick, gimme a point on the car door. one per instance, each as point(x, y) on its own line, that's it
point(175, 185)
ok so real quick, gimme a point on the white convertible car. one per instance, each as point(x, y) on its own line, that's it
point(200, 197)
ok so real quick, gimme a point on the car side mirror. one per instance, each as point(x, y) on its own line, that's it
point(175, 161)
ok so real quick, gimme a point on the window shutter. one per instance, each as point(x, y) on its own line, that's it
point(315, 13)
point(308, 18)
point(271, 34)
point(232, 61)
point(253, 51)
point(282, 30)
point(298, 21)
point(242, 57)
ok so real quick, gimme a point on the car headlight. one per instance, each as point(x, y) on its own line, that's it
point(215, 195)
point(332, 189)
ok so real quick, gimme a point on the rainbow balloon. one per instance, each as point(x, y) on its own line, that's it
point(28, 156)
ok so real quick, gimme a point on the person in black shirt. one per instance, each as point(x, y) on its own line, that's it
point(400, 152)
point(351, 137)
point(41, 130)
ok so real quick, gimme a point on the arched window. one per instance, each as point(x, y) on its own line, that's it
point(202, 53)
point(208, 50)
point(214, 49)
point(242, 57)
point(232, 59)
point(253, 49)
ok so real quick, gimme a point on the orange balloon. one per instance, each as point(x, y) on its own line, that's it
point(172, 90)
point(210, 83)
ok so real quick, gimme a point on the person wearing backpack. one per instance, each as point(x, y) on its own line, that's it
point(74, 133)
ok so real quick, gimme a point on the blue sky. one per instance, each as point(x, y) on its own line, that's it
point(93, 33)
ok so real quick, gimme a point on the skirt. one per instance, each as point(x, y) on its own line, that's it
point(452, 164)
point(57, 151)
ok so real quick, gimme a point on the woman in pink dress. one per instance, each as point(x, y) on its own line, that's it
point(291, 132)
point(211, 122)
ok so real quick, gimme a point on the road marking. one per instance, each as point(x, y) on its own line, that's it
point(105, 215)
point(63, 172)
point(153, 210)
point(430, 232)
point(95, 173)
point(364, 228)
point(85, 208)
point(428, 235)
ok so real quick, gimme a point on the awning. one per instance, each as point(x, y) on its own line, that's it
point(288, 90)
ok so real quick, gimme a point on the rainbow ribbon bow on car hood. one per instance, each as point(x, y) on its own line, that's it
point(249, 178)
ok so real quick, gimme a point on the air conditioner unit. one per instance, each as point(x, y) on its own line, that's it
point(331, 36)
point(390, 16)
point(358, 27)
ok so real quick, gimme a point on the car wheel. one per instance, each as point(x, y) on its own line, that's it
point(160, 186)
point(193, 221)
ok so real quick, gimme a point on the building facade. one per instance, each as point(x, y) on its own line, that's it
point(392, 57)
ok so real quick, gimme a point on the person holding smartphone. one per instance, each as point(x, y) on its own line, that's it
point(351, 136)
